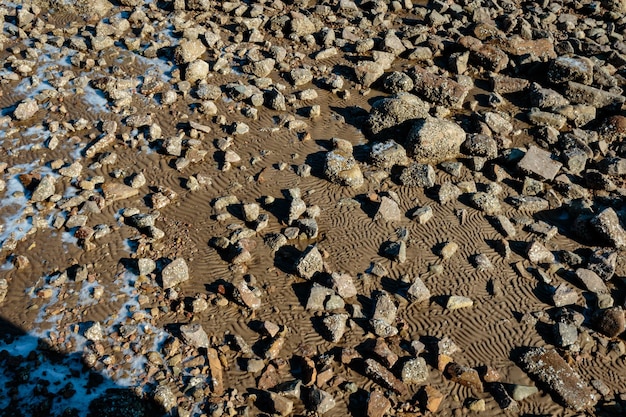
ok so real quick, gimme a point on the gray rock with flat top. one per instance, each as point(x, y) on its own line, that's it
point(539, 163)
point(174, 273)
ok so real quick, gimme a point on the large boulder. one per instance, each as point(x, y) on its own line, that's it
point(392, 117)
point(433, 140)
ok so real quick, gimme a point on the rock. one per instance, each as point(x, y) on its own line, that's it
point(297, 207)
point(384, 377)
point(418, 175)
point(368, 72)
point(388, 210)
point(386, 155)
point(584, 94)
point(341, 168)
point(317, 297)
point(26, 109)
point(505, 226)
point(377, 404)
point(300, 24)
point(433, 140)
point(611, 322)
point(94, 332)
point(480, 145)
point(176, 272)
point(116, 191)
point(320, 401)
point(448, 192)
point(476, 405)
point(188, 51)
point(397, 82)
point(44, 190)
point(548, 367)
point(418, 292)
point(246, 296)
point(310, 262)
point(215, 368)
point(502, 397)
point(539, 254)
point(488, 203)
point(456, 301)
point(343, 285)
point(422, 214)
point(280, 405)
point(578, 69)
point(448, 250)
point(439, 90)
point(194, 335)
point(384, 307)
point(591, 281)
point(275, 100)
point(261, 68)
point(414, 371)
point(381, 350)
point(197, 70)
point(431, 398)
point(335, 326)
point(607, 226)
point(393, 116)
point(164, 397)
point(564, 296)
point(521, 392)
point(539, 163)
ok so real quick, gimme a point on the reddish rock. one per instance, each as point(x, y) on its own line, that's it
point(465, 376)
point(377, 404)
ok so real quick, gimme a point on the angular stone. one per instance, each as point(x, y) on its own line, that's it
point(317, 297)
point(377, 404)
point(174, 273)
point(393, 116)
point(44, 190)
point(384, 353)
point(431, 398)
point(384, 307)
point(607, 226)
point(246, 296)
point(539, 163)
point(388, 210)
point(320, 401)
point(343, 285)
point(335, 326)
point(387, 154)
point(564, 68)
point(465, 376)
point(456, 301)
point(564, 296)
point(26, 109)
point(280, 405)
point(194, 335)
point(423, 214)
point(547, 366)
point(486, 202)
point(418, 292)
point(368, 72)
point(414, 371)
point(310, 262)
point(384, 377)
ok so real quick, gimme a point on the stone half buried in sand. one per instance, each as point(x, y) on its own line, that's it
point(550, 369)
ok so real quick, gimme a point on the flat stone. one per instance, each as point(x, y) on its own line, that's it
point(564, 296)
point(591, 281)
point(117, 191)
point(194, 335)
point(343, 285)
point(584, 94)
point(548, 367)
point(174, 273)
point(539, 163)
point(216, 370)
point(418, 175)
point(456, 301)
point(44, 190)
point(388, 210)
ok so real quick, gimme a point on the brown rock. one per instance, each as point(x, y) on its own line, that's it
point(377, 404)
point(215, 366)
point(465, 376)
point(269, 378)
point(384, 377)
point(381, 349)
point(611, 321)
point(431, 398)
point(439, 90)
